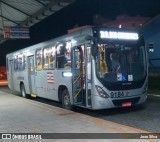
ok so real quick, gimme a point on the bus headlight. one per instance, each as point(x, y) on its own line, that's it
point(101, 92)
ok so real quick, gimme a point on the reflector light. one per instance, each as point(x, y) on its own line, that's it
point(126, 104)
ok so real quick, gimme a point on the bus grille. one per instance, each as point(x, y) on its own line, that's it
point(120, 102)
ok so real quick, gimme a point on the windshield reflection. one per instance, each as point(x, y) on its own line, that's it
point(117, 63)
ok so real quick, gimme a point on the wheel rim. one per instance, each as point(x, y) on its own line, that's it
point(23, 91)
point(66, 100)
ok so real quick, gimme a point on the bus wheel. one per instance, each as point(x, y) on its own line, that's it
point(23, 91)
point(66, 103)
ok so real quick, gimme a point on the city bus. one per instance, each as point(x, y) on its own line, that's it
point(91, 67)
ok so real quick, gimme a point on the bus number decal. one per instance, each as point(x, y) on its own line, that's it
point(50, 78)
point(119, 94)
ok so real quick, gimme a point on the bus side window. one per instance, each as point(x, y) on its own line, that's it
point(16, 63)
point(24, 62)
point(60, 56)
point(46, 58)
point(103, 63)
point(77, 59)
point(63, 55)
point(68, 55)
point(39, 59)
point(20, 65)
point(52, 58)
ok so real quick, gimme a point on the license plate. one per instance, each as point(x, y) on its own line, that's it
point(126, 104)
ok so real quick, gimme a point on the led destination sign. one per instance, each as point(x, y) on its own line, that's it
point(118, 35)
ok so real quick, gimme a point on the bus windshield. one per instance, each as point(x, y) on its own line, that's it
point(117, 63)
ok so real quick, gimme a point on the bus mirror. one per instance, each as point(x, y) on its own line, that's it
point(151, 47)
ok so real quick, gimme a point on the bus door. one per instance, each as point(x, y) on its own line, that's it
point(81, 75)
point(78, 75)
point(31, 74)
point(88, 74)
point(10, 74)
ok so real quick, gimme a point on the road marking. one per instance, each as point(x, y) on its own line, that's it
point(154, 95)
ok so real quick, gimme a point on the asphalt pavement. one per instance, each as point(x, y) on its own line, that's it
point(145, 117)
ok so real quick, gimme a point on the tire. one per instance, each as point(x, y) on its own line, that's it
point(23, 91)
point(66, 102)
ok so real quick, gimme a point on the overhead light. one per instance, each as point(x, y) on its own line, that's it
point(120, 26)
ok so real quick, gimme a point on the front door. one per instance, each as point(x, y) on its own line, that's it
point(31, 73)
point(78, 75)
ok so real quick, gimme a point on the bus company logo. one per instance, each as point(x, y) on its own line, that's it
point(50, 78)
point(6, 136)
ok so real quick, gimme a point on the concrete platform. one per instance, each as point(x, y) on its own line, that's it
point(26, 117)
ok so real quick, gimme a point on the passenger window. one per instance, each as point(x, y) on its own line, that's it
point(49, 58)
point(19, 62)
point(39, 59)
point(64, 55)
point(16, 63)
point(24, 62)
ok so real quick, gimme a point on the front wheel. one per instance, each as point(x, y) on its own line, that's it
point(66, 103)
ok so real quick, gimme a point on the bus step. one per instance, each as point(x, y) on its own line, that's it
point(78, 103)
point(83, 106)
point(33, 95)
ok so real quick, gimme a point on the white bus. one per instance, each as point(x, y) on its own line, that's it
point(93, 67)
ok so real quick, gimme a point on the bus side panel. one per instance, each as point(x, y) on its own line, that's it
point(47, 83)
point(10, 74)
point(21, 77)
point(40, 83)
point(60, 80)
point(51, 84)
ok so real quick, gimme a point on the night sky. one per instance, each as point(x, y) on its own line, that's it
point(80, 13)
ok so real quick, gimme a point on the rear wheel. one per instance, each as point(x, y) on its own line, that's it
point(66, 103)
point(23, 91)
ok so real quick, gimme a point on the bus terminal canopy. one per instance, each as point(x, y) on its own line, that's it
point(26, 13)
